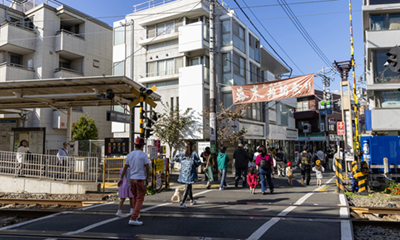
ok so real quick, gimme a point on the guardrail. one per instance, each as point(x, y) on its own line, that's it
point(112, 166)
point(19, 25)
point(150, 4)
point(16, 65)
point(51, 167)
point(68, 70)
point(70, 33)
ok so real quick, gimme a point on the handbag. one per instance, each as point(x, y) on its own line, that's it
point(205, 169)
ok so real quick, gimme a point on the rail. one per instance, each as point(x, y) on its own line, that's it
point(68, 70)
point(19, 25)
point(70, 33)
point(150, 4)
point(16, 65)
point(42, 166)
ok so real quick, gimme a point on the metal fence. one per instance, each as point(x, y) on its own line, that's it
point(43, 166)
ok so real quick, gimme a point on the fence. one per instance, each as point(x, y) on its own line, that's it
point(43, 166)
point(111, 170)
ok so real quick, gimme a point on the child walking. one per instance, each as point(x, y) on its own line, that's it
point(124, 192)
point(318, 169)
point(252, 180)
point(289, 173)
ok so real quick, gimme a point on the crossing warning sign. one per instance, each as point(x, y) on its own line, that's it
point(340, 128)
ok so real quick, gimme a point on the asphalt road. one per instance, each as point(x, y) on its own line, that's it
point(298, 212)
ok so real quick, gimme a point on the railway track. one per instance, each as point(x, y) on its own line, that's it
point(46, 202)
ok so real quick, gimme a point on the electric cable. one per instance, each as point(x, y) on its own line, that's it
point(291, 70)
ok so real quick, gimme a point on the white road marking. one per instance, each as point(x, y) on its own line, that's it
point(345, 229)
point(260, 231)
point(266, 226)
point(33, 220)
point(345, 225)
point(87, 228)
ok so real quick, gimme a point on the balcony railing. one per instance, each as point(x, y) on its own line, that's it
point(70, 33)
point(162, 73)
point(16, 65)
point(16, 24)
point(68, 70)
point(149, 4)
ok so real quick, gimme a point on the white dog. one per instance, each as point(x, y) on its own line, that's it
point(178, 194)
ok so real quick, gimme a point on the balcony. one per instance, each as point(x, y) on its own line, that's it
point(17, 38)
point(193, 37)
point(69, 45)
point(11, 71)
point(66, 73)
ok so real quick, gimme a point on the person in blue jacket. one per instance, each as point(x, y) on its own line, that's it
point(189, 160)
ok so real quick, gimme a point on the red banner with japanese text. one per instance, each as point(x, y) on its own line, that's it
point(274, 90)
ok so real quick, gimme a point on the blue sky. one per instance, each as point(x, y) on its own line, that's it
point(327, 22)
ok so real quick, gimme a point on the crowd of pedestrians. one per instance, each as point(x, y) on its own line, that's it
point(251, 169)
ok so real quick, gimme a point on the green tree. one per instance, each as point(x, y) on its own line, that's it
point(172, 126)
point(84, 129)
point(227, 118)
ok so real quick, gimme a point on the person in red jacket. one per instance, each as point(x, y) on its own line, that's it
point(252, 180)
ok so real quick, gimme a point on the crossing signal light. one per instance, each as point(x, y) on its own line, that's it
point(393, 56)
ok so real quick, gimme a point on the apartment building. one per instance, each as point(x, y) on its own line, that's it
point(171, 51)
point(308, 114)
point(42, 40)
point(381, 26)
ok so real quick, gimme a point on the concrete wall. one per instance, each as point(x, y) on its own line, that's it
point(10, 34)
point(10, 73)
point(31, 185)
point(391, 119)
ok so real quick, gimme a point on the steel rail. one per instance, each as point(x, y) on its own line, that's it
point(76, 203)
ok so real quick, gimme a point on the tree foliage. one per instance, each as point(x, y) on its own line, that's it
point(171, 126)
point(227, 120)
point(84, 129)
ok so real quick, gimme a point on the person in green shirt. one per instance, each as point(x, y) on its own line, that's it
point(223, 160)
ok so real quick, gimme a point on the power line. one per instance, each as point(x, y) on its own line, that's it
point(291, 70)
point(275, 41)
point(294, 3)
point(304, 32)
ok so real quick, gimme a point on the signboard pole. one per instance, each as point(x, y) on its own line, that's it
point(213, 119)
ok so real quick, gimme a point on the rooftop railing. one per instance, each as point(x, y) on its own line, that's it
point(149, 4)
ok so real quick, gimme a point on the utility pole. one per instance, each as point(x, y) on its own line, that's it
point(213, 107)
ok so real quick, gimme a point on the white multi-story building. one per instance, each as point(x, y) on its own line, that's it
point(381, 25)
point(43, 40)
point(171, 50)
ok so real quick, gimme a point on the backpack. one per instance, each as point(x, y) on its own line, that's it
point(279, 157)
point(264, 164)
point(289, 173)
point(305, 160)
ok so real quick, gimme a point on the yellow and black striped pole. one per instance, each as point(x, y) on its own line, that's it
point(141, 97)
point(361, 176)
point(354, 78)
point(339, 175)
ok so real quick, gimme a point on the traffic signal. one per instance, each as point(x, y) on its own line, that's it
point(149, 132)
point(149, 124)
point(393, 56)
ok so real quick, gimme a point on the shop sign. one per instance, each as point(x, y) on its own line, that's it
point(331, 120)
point(201, 147)
point(291, 134)
point(252, 129)
point(340, 128)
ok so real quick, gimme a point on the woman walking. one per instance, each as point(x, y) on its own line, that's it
point(189, 162)
point(21, 156)
point(265, 165)
point(208, 169)
point(223, 160)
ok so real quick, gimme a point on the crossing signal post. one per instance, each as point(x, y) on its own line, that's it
point(143, 97)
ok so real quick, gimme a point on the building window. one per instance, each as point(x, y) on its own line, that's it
point(226, 33)
point(64, 63)
point(206, 29)
point(239, 37)
point(227, 98)
point(226, 66)
point(119, 69)
point(383, 74)
point(254, 48)
point(164, 67)
point(387, 99)
point(255, 73)
point(15, 59)
point(171, 44)
point(385, 22)
point(96, 63)
point(239, 70)
point(166, 83)
point(164, 28)
point(284, 115)
point(302, 106)
point(119, 35)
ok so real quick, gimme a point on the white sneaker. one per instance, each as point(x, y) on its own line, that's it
point(131, 211)
point(182, 205)
point(119, 214)
point(193, 202)
point(135, 223)
point(221, 188)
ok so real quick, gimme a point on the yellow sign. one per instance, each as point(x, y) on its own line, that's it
point(160, 165)
point(146, 100)
point(164, 149)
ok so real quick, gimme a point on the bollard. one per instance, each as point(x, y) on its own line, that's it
point(386, 169)
point(361, 173)
point(339, 176)
point(167, 173)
